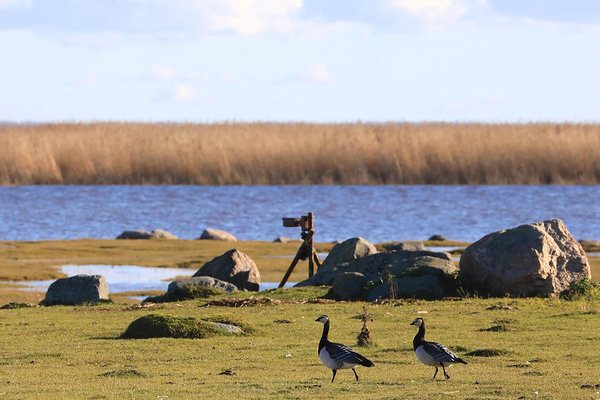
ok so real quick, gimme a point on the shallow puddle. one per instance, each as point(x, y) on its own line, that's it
point(128, 278)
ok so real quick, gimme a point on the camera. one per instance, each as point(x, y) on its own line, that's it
point(303, 222)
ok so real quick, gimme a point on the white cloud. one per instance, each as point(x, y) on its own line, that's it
point(438, 14)
point(163, 73)
point(15, 3)
point(183, 93)
point(317, 73)
point(250, 16)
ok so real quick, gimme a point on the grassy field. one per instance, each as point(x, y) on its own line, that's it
point(269, 153)
point(546, 349)
point(516, 348)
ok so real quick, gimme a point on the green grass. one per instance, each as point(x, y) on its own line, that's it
point(74, 352)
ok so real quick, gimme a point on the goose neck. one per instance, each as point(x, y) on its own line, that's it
point(419, 337)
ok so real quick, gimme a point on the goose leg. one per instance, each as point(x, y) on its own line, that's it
point(445, 374)
point(355, 374)
point(334, 372)
point(436, 371)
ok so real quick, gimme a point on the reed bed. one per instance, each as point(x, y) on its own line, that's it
point(299, 153)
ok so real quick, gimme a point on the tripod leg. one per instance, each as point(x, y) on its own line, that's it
point(290, 269)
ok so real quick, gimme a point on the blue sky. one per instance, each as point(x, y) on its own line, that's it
point(300, 60)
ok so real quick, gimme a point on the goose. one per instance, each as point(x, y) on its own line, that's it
point(431, 353)
point(338, 356)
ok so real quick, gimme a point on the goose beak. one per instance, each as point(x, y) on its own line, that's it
point(317, 320)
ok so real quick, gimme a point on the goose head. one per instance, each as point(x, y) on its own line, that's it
point(322, 319)
point(418, 322)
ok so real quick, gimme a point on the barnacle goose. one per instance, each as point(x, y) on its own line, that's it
point(431, 353)
point(338, 356)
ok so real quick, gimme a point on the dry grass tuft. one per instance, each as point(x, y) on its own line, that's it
point(272, 153)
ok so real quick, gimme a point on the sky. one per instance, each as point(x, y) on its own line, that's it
point(329, 61)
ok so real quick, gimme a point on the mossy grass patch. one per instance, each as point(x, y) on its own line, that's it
point(160, 326)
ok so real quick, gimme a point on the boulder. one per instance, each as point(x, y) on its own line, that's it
point(420, 287)
point(347, 251)
point(234, 267)
point(337, 259)
point(590, 243)
point(160, 234)
point(396, 274)
point(78, 289)
point(541, 258)
point(182, 288)
point(349, 286)
point(407, 274)
point(137, 234)
point(215, 234)
point(142, 234)
point(401, 246)
point(436, 237)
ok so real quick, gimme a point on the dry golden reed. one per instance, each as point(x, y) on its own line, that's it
point(300, 153)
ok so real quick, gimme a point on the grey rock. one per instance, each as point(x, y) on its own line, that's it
point(440, 238)
point(142, 234)
point(340, 255)
point(136, 234)
point(181, 287)
point(534, 259)
point(234, 267)
point(347, 251)
point(227, 327)
point(349, 286)
point(421, 287)
point(216, 234)
point(589, 243)
point(408, 245)
point(396, 274)
point(160, 234)
point(77, 289)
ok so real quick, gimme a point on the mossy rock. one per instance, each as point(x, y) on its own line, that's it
point(158, 326)
point(191, 293)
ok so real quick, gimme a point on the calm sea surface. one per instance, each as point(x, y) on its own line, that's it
point(377, 213)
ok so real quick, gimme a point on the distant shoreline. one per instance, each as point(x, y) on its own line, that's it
point(299, 154)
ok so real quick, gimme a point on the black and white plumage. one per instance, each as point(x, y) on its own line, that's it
point(338, 356)
point(431, 353)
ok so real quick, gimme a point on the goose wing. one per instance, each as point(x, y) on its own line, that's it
point(344, 354)
point(440, 352)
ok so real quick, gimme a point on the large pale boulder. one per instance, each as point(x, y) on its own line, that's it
point(78, 289)
point(234, 267)
point(216, 234)
point(534, 259)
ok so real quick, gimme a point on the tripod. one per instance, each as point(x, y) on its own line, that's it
point(307, 249)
